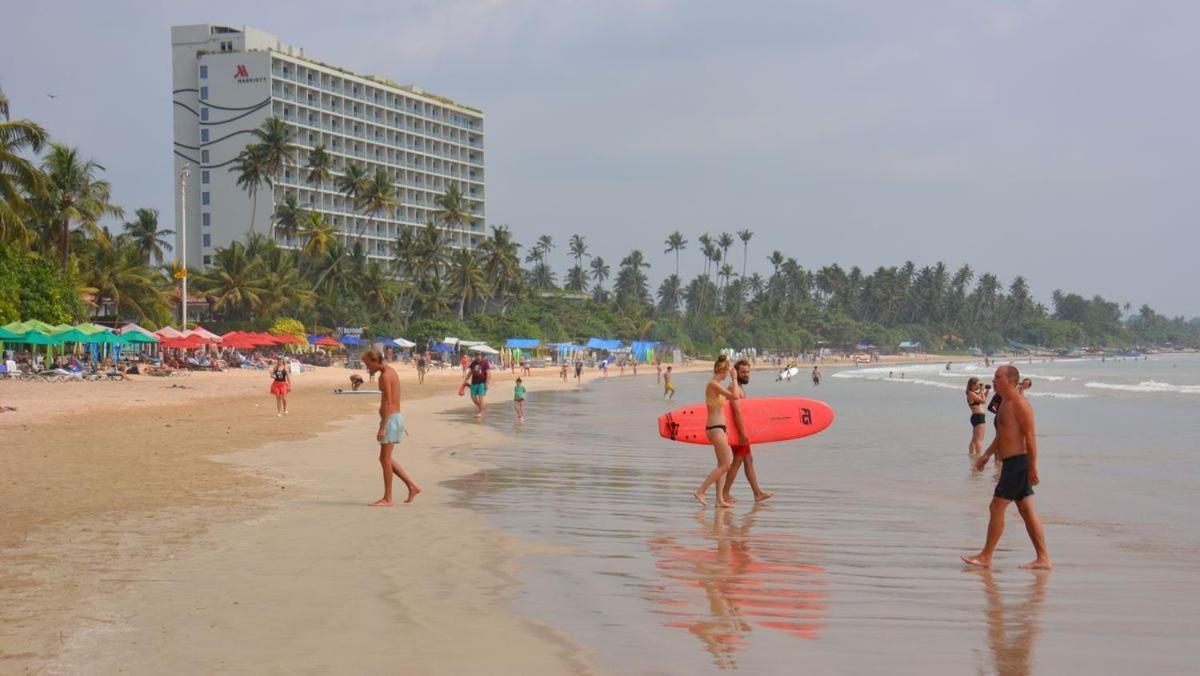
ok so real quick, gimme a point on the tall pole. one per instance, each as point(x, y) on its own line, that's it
point(183, 177)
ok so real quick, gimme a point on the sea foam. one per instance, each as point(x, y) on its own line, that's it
point(1145, 386)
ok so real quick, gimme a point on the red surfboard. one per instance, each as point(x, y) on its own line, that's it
point(767, 419)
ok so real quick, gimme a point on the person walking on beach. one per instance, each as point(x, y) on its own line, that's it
point(976, 399)
point(519, 400)
point(657, 371)
point(578, 368)
point(281, 384)
point(742, 456)
point(1015, 445)
point(391, 427)
point(816, 376)
point(478, 375)
point(422, 365)
point(668, 387)
point(715, 396)
point(562, 372)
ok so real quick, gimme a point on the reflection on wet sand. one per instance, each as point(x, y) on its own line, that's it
point(1012, 628)
point(769, 581)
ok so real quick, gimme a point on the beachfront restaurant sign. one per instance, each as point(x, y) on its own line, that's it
point(242, 75)
point(344, 331)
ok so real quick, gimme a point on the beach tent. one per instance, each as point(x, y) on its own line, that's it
point(351, 340)
point(442, 347)
point(138, 337)
point(483, 348)
point(131, 328)
point(5, 334)
point(91, 329)
point(523, 343)
point(403, 344)
point(71, 335)
point(204, 333)
point(39, 338)
point(33, 325)
point(603, 344)
point(60, 328)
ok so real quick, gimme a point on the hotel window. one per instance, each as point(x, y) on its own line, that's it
point(204, 114)
point(204, 177)
point(204, 136)
point(285, 70)
point(208, 260)
point(204, 93)
point(206, 218)
point(207, 240)
point(204, 156)
point(204, 198)
point(203, 72)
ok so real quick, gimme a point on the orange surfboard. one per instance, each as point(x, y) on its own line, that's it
point(767, 419)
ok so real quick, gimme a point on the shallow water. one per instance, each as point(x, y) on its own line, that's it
point(853, 565)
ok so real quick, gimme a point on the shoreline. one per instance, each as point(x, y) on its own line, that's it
point(106, 482)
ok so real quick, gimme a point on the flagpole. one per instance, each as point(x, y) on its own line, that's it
point(183, 177)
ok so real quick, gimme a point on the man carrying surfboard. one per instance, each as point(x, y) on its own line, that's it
point(741, 452)
point(1015, 445)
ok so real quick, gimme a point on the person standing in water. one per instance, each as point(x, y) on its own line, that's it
point(816, 376)
point(976, 400)
point(715, 396)
point(519, 400)
point(478, 374)
point(668, 387)
point(1016, 447)
point(281, 385)
point(741, 452)
point(391, 427)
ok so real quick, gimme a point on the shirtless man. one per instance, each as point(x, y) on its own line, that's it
point(1015, 445)
point(741, 452)
point(391, 426)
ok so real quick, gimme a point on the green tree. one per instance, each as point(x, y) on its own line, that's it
point(675, 243)
point(252, 172)
point(319, 167)
point(150, 241)
point(467, 280)
point(20, 179)
point(75, 196)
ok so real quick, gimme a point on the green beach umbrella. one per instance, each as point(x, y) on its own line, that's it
point(91, 329)
point(39, 338)
point(71, 335)
point(106, 338)
point(138, 338)
point(6, 334)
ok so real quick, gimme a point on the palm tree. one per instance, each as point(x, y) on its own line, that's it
point(545, 244)
point(378, 195)
point(251, 169)
point(724, 242)
point(352, 184)
point(467, 280)
point(286, 291)
point(319, 235)
point(74, 195)
point(19, 178)
point(631, 284)
point(147, 237)
point(275, 143)
point(579, 250)
point(319, 166)
point(670, 293)
point(234, 282)
point(600, 272)
point(676, 243)
point(577, 279)
point(745, 236)
point(288, 217)
point(453, 209)
point(115, 268)
point(502, 265)
point(378, 290)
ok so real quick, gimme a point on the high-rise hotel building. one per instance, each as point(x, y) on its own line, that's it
point(227, 81)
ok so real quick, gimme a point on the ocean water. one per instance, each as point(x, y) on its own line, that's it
point(853, 566)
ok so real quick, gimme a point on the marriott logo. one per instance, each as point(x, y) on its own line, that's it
point(242, 75)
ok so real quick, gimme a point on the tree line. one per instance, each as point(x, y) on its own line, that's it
point(64, 251)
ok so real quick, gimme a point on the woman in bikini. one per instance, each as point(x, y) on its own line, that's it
point(715, 396)
point(976, 400)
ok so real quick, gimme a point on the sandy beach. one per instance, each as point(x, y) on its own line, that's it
point(178, 520)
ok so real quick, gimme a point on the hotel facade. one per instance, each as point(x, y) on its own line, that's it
point(227, 81)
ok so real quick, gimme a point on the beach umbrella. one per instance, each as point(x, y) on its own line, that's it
point(132, 328)
point(71, 335)
point(106, 338)
point(326, 341)
point(402, 343)
point(168, 332)
point(5, 334)
point(137, 337)
point(485, 349)
point(205, 333)
point(39, 338)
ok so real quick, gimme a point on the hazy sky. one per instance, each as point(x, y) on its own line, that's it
point(1052, 139)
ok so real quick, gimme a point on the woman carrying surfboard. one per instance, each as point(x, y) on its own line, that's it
point(715, 396)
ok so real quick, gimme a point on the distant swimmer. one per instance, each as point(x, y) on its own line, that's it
point(1016, 446)
point(715, 396)
point(816, 376)
point(742, 455)
point(391, 426)
point(668, 386)
point(948, 365)
point(976, 400)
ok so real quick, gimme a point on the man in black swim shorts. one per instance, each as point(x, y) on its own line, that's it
point(1016, 447)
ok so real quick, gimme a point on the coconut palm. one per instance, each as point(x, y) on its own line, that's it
point(577, 279)
point(19, 177)
point(378, 289)
point(288, 217)
point(745, 236)
point(319, 235)
point(670, 293)
point(286, 291)
point(74, 195)
point(378, 195)
point(502, 265)
point(724, 242)
point(352, 183)
point(234, 282)
point(250, 166)
point(319, 166)
point(115, 268)
point(275, 144)
point(147, 237)
point(579, 249)
point(675, 243)
point(453, 210)
point(631, 285)
point(600, 272)
point(467, 280)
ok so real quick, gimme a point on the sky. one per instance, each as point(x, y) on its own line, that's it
point(1051, 139)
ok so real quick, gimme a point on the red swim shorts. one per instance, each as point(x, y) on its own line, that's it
point(279, 388)
point(740, 451)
